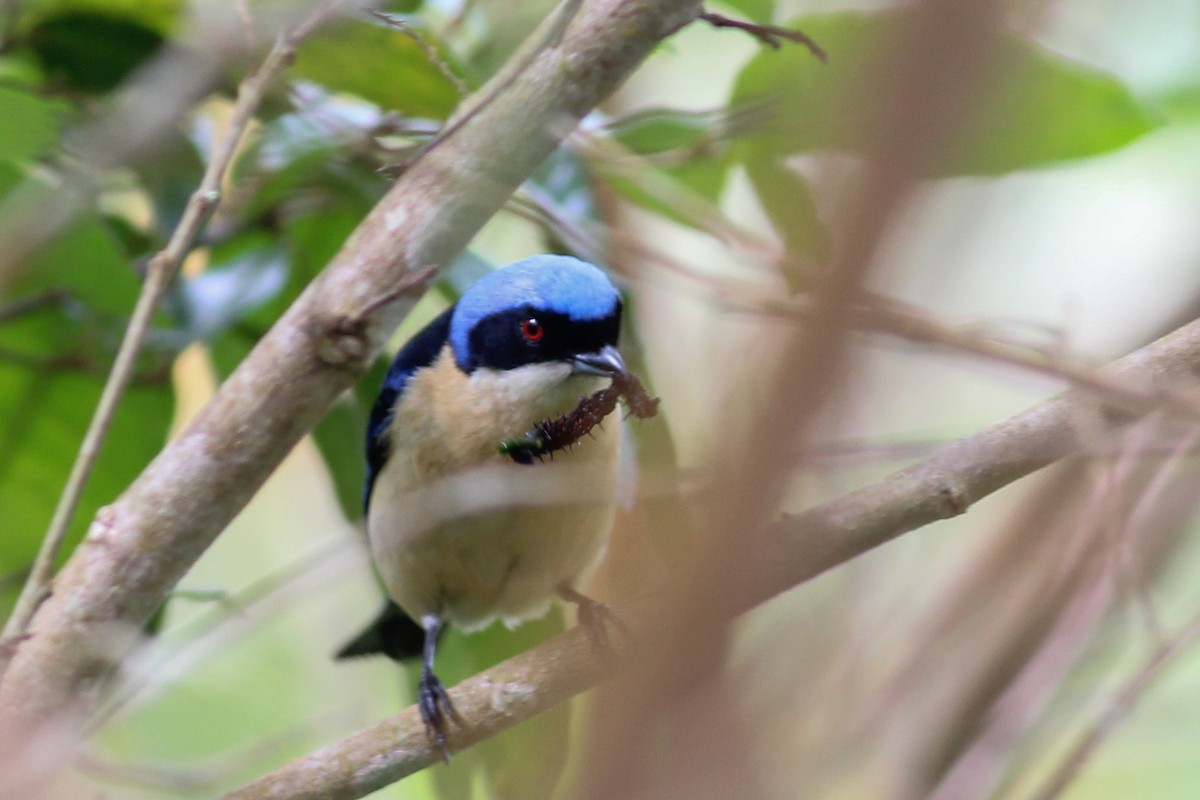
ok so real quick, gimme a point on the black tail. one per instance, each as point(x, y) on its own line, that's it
point(392, 634)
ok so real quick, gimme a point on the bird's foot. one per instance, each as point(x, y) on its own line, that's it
point(595, 617)
point(435, 704)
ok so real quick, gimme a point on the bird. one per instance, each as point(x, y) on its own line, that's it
point(459, 534)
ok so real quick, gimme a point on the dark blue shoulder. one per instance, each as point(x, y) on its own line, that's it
point(420, 351)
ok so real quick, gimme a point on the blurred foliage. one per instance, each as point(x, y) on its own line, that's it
point(1035, 109)
point(91, 52)
point(359, 56)
point(30, 130)
point(762, 11)
point(361, 99)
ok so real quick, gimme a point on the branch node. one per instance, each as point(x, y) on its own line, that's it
point(9, 645)
point(102, 525)
point(952, 500)
point(343, 341)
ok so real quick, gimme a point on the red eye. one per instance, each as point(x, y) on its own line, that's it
point(532, 330)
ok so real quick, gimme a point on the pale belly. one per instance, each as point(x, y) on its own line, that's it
point(495, 541)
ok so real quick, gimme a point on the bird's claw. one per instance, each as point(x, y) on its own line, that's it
point(596, 618)
point(435, 705)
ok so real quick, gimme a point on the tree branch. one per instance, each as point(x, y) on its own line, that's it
point(803, 546)
point(962, 473)
point(139, 547)
point(492, 701)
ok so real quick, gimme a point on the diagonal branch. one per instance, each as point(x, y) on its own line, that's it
point(802, 546)
point(139, 547)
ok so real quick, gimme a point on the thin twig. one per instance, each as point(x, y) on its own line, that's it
point(550, 32)
point(457, 18)
point(28, 305)
point(879, 314)
point(897, 319)
point(159, 273)
point(612, 158)
point(772, 36)
point(431, 53)
point(175, 780)
point(1122, 704)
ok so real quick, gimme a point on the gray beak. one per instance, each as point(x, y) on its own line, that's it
point(605, 362)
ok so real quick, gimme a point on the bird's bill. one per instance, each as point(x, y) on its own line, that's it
point(605, 362)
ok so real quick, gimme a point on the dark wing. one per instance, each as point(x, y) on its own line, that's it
point(420, 351)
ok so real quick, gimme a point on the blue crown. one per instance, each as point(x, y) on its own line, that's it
point(561, 284)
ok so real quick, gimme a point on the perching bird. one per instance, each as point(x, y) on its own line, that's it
point(461, 534)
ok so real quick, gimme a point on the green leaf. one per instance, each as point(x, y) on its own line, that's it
point(1181, 104)
point(158, 15)
point(686, 152)
point(761, 11)
point(662, 129)
point(31, 125)
point(789, 203)
point(703, 177)
point(52, 367)
point(1034, 108)
point(378, 64)
point(20, 70)
point(43, 418)
point(314, 157)
point(87, 260)
point(92, 52)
